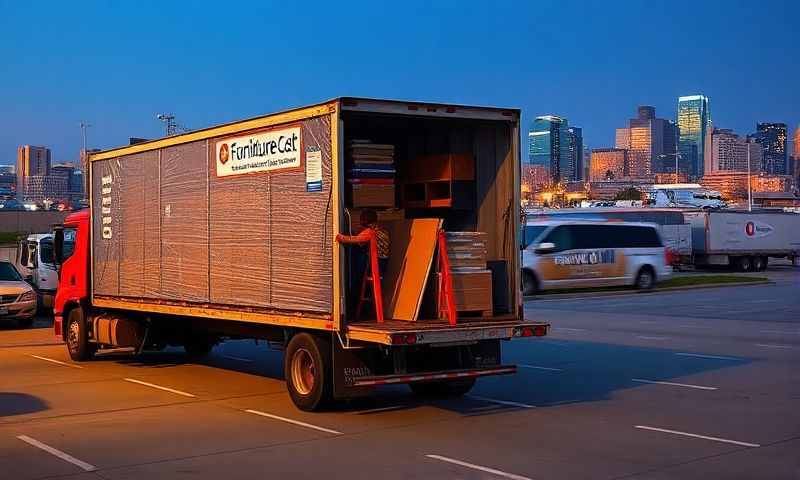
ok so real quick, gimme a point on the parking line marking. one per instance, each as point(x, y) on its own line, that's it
point(772, 345)
point(645, 337)
point(58, 453)
point(59, 362)
point(536, 367)
point(481, 468)
point(501, 402)
point(379, 409)
point(694, 435)
point(152, 385)
point(240, 359)
point(295, 422)
point(672, 384)
point(716, 357)
point(564, 329)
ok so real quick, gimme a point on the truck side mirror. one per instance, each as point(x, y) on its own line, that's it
point(58, 245)
point(545, 247)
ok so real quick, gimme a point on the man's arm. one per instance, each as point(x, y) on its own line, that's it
point(364, 237)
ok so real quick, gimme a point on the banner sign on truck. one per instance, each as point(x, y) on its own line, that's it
point(270, 151)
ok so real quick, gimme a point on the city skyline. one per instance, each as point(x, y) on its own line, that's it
point(154, 62)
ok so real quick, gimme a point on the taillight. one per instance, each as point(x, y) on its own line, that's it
point(404, 339)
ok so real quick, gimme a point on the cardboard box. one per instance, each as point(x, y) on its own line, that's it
point(472, 291)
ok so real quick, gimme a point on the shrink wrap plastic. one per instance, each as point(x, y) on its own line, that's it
point(166, 227)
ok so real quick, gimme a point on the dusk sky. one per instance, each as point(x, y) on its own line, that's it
point(118, 66)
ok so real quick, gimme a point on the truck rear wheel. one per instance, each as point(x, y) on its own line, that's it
point(529, 286)
point(308, 372)
point(759, 264)
point(744, 264)
point(443, 389)
point(78, 344)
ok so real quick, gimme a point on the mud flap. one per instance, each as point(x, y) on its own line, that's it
point(349, 365)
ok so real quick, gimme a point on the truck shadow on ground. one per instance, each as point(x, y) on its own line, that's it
point(12, 403)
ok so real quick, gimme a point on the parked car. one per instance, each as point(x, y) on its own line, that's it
point(17, 297)
point(579, 254)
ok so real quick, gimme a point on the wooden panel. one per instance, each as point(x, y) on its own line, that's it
point(415, 269)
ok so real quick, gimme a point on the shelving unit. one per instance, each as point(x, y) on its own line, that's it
point(440, 181)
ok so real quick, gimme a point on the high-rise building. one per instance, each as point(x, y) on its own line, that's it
point(31, 161)
point(694, 123)
point(650, 141)
point(587, 163)
point(772, 137)
point(549, 146)
point(609, 164)
point(73, 178)
point(575, 146)
point(729, 152)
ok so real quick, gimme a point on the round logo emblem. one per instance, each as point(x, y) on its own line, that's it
point(224, 153)
point(750, 229)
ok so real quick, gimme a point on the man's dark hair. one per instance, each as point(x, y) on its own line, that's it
point(368, 217)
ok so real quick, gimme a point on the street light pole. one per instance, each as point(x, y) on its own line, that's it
point(749, 194)
point(84, 158)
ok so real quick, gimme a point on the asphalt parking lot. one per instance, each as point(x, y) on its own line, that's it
point(688, 384)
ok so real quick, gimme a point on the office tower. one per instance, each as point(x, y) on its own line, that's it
point(729, 152)
point(609, 164)
point(575, 146)
point(694, 122)
point(587, 163)
point(650, 141)
point(623, 138)
point(549, 146)
point(31, 161)
point(772, 137)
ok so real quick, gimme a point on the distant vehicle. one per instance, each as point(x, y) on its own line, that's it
point(12, 204)
point(686, 195)
point(36, 258)
point(17, 298)
point(580, 254)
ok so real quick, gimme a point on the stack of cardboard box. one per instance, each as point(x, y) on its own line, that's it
point(372, 174)
point(472, 281)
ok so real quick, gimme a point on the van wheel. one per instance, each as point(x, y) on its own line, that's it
point(528, 283)
point(759, 264)
point(744, 264)
point(646, 279)
point(308, 373)
point(78, 344)
point(450, 388)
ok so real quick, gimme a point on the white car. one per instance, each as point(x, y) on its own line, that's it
point(17, 298)
point(580, 254)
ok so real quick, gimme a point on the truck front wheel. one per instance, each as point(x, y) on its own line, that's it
point(308, 372)
point(78, 337)
point(449, 388)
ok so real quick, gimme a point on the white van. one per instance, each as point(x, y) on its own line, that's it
point(581, 254)
point(37, 265)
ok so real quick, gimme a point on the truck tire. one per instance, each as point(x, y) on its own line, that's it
point(645, 279)
point(308, 371)
point(78, 344)
point(760, 263)
point(529, 286)
point(744, 264)
point(443, 389)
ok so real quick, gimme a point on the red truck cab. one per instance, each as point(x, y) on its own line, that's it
point(72, 252)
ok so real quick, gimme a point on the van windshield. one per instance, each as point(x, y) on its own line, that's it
point(46, 251)
point(532, 232)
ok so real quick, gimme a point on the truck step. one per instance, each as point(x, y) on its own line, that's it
point(111, 351)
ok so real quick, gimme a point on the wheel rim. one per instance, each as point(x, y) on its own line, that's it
point(73, 336)
point(303, 371)
point(645, 280)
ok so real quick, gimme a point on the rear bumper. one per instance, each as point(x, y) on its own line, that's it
point(421, 333)
point(435, 376)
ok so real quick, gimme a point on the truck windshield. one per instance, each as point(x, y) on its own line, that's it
point(8, 273)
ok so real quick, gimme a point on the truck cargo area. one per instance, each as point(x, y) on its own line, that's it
point(456, 170)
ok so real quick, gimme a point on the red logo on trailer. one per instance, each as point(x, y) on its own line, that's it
point(750, 229)
point(224, 153)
